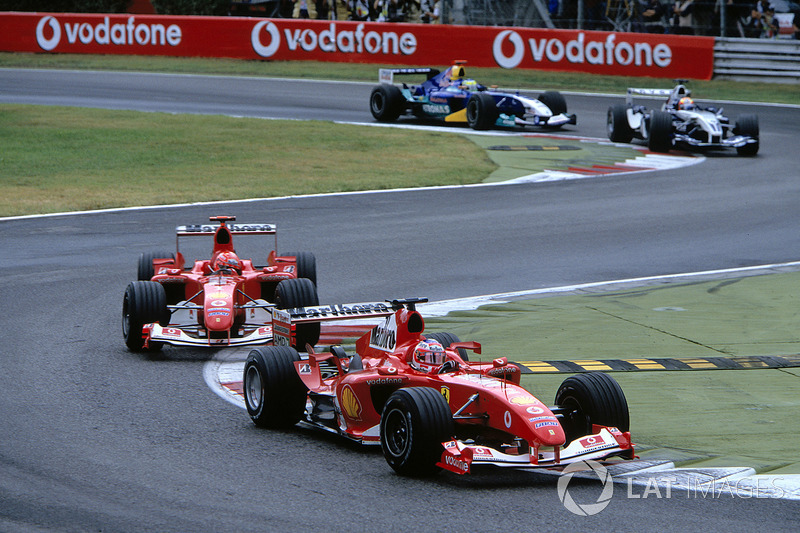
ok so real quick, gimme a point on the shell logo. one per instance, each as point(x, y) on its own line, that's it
point(350, 404)
point(524, 400)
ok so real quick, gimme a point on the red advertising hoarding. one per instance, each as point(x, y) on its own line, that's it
point(612, 53)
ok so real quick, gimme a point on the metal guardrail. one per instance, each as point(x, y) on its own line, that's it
point(762, 60)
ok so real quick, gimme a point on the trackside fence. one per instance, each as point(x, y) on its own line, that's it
point(762, 60)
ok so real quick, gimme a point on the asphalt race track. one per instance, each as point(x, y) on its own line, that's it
point(96, 438)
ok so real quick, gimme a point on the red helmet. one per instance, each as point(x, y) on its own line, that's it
point(428, 356)
point(227, 261)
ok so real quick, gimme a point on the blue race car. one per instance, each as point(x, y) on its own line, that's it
point(452, 97)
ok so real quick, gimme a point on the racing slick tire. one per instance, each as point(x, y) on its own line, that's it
point(747, 125)
point(144, 302)
point(414, 423)
point(659, 138)
point(619, 130)
point(274, 394)
point(555, 101)
point(481, 111)
point(591, 398)
point(386, 103)
point(446, 339)
point(145, 270)
point(294, 293)
point(306, 265)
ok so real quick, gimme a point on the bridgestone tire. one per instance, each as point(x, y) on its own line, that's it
point(446, 339)
point(144, 302)
point(592, 398)
point(659, 138)
point(145, 270)
point(619, 130)
point(414, 424)
point(747, 125)
point(386, 103)
point(295, 293)
point(481, 111)
point(274, 394)
point(306, 265)
point(555, 101)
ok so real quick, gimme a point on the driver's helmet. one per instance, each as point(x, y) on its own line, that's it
point(470, 85)
point(428, 356)
point(457, 72)
point(227, 261)
point(686, 104)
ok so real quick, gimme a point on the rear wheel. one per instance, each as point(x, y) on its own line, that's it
point(306, 265)
point(747, 125)
point(481, 111)
point(144, 302)
point(386, 103)
point(294, 293)
point(446, 339)
point(414, 424)
point(274, 394)
point(592, 398)
point(619, 130)
point(145, 270)
point(555, 101)
point(659, 138)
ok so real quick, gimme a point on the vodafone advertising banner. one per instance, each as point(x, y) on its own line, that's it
point(623, 54)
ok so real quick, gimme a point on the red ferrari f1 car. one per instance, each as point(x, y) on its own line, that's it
point(220, 301)
point(428, 406)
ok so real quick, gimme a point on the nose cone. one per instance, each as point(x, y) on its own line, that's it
point(218, 308)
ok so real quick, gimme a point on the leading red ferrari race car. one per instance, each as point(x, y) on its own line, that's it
point(220, 301)
point(429, 407)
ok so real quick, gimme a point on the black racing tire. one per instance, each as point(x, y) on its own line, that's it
point(659, 137)
point(144, 302)
point(145, 270)
point(274, 394)
point(294, 293)
point(414, 423)
point(619, 130)
point(481, 111)
point(306, 265)
point(446, 339)
point(592, 398)
point(555, 101)
point(386, 103)
point(747, 125)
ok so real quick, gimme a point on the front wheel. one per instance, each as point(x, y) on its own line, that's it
point(481, 111)
point(592, 398)
point(274, 394)
point(659, 138)
point(414, 424)
point(144, 302)
point(555, 101)
point(747, 125)
point(295, 293)
point(619, 130)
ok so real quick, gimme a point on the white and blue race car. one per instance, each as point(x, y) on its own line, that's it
point(680, 123)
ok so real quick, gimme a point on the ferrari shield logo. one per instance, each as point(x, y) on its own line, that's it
point(446, 393)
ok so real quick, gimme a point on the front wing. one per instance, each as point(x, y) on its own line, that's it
point(608, 442)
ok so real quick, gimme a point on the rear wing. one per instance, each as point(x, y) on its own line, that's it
point(206, 230)
point(386, 75)
point(676, 92)
point(284, 319)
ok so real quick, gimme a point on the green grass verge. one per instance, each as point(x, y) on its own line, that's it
point(514, 78)
point(57, 159)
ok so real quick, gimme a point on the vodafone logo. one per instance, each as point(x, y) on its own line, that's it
point(579, 50)
point(49, 33)
point(266, 39)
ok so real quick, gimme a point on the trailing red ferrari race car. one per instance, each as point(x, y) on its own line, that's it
point(220, 301)
point(428, 406)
